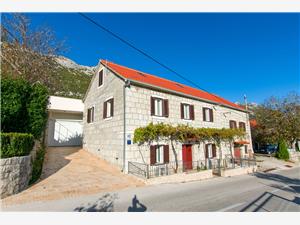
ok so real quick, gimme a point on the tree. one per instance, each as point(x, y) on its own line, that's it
point(282, 152)
point(277, 119)
point(28, 53)
point(184, 133)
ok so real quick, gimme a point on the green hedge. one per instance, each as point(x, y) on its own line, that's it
point(16, 144)
point(37, 165)
point(23, 107)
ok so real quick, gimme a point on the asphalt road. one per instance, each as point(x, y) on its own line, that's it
point(273, 191)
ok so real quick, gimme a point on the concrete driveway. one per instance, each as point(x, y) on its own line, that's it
point(70, 172)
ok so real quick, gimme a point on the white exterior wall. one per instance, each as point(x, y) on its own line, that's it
point(104, 137)
point(138, 114)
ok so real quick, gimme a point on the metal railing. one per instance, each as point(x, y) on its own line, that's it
point(163, 169)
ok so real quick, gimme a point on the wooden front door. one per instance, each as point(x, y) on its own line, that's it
point(187, 157)
point(237, 152)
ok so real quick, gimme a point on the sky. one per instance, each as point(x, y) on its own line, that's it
point(228, 54)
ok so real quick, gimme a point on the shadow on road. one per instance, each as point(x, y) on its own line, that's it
point(278, 178)
point(259, 203)
point(103, 204)
point(136, 206)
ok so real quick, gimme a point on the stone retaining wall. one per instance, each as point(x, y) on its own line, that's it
point(15, 174)
point(238, 171)
point(295, 156)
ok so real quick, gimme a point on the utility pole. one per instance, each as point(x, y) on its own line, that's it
point(245, 100)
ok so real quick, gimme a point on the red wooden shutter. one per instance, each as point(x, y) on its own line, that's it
point(100, 78)
point(192, 113)
point(152, 101)
point(211, 115)
point(165, 108)
point(214, 152)
point(166, 153)
point(204, 115)
point(112, 107)
point(206, 151)
point(152, 154)
point(246, 149)
point(104, 110)
point(181, 111)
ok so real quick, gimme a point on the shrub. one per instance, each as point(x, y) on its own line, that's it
point(14, 95)
point(16, 144)
point(297, 147)
point(23, 106)
point(37, 110)
point(37, 165)
point(282, 152)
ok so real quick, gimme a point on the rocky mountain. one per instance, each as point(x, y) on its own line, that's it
point(73, 78)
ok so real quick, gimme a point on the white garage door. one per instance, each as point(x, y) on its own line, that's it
point(65, 132)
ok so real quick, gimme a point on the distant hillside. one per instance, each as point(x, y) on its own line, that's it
point(73, 78)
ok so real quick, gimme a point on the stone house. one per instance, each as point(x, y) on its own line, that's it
point(120, 99)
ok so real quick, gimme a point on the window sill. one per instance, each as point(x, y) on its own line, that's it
point(187, 120)
point(159, 117)
point(100, 86)
point(108, 118)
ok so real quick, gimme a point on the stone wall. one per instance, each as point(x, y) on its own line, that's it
point(138, 114)
point(15, 174)
point(104, 137)
point(294, 156)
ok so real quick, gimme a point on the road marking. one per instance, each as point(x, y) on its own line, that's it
point(231, 207)
point(279, 189)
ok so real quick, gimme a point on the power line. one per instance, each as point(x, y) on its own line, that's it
point(139, 50)
point(144, 53)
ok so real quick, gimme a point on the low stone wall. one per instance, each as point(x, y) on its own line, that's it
point(15, 174)
point(295, 156)
point(181, 177)
point(238, 171)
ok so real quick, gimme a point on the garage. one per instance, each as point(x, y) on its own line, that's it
point(64, 126)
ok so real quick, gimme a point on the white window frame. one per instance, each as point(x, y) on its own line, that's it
point(210, 151)
point(93, 114)
point(207, 114)
point(102, 77)
point(106, 101)
point(159, 151)
point(186, 111)
point(158, 107)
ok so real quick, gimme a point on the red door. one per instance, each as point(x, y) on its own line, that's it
point(187, 157)
point(237, 152)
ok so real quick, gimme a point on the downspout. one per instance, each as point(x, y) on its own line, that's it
point(126, 84)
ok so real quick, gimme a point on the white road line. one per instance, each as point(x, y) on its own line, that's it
point(231, 207)
point(279, 189)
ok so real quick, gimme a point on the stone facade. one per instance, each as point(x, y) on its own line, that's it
point(15, 174)
point(104, 137)
point(138, 114)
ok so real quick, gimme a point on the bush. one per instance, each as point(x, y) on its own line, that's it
point(282, 152)
point(297, 147)
point(23, 107)
point(37, 110)
point(16, 144)
point(37, 165)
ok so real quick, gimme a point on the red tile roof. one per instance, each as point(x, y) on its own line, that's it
point(159, 82)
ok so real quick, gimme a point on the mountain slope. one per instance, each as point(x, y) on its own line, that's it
point(74, 78)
